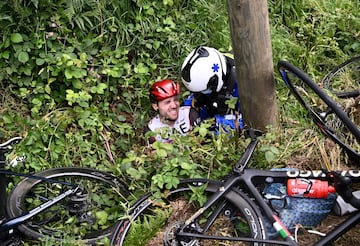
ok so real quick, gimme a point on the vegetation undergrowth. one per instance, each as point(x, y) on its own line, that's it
point(75, 78)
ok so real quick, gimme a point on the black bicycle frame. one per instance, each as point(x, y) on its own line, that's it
point(249, 180)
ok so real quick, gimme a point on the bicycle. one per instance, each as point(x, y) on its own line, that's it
point(235, 209)
point(76, 202)
point(331, 116)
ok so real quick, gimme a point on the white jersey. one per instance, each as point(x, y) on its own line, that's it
point(182, 125)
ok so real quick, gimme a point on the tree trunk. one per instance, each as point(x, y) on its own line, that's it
point(251, 41)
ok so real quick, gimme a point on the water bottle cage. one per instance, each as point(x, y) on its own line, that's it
point(308, 188)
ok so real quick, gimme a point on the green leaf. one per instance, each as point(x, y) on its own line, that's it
point(5, 54)
point(274, 150)
point(167, 146)
point(7, 119)
point(171, 182)
point(77, 84)
point(102, 217)
point(36, 101)
point(156, 45)
point(23, 57)
point(68, 74)
point(203, 131)
point(16, 38)
point(187, 166)
point(133, 173)
point(47, 89)
point(40, 61)
point(269, 156)
point(99, 89)
point(161, 153)
point(141, 68)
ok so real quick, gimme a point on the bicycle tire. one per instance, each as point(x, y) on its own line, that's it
point(237, 216)
point(344, 79)
point(332, 120)
point(105, 193)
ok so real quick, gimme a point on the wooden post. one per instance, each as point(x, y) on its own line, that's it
point(251, 41)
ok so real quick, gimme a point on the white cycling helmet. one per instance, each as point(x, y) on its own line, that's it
point(204, 70)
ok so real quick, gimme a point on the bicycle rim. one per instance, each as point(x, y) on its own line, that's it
point(345, 78)
point(330, 117)
point(89, 216)
point(344, 82)
point(156, 223)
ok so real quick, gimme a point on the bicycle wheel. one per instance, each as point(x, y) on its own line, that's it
point(155, 223)
point(332, 120)
point(89, 216)
point(344, 80)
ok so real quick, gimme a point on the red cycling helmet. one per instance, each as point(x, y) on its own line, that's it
point(163, 89)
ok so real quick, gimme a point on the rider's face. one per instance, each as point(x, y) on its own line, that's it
point(169, 108)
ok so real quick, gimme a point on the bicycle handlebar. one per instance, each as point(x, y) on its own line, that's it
point(6, 145)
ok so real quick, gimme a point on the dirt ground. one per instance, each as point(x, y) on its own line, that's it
point(351, 238)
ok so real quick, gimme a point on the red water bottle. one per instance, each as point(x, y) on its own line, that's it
point(312, 188)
